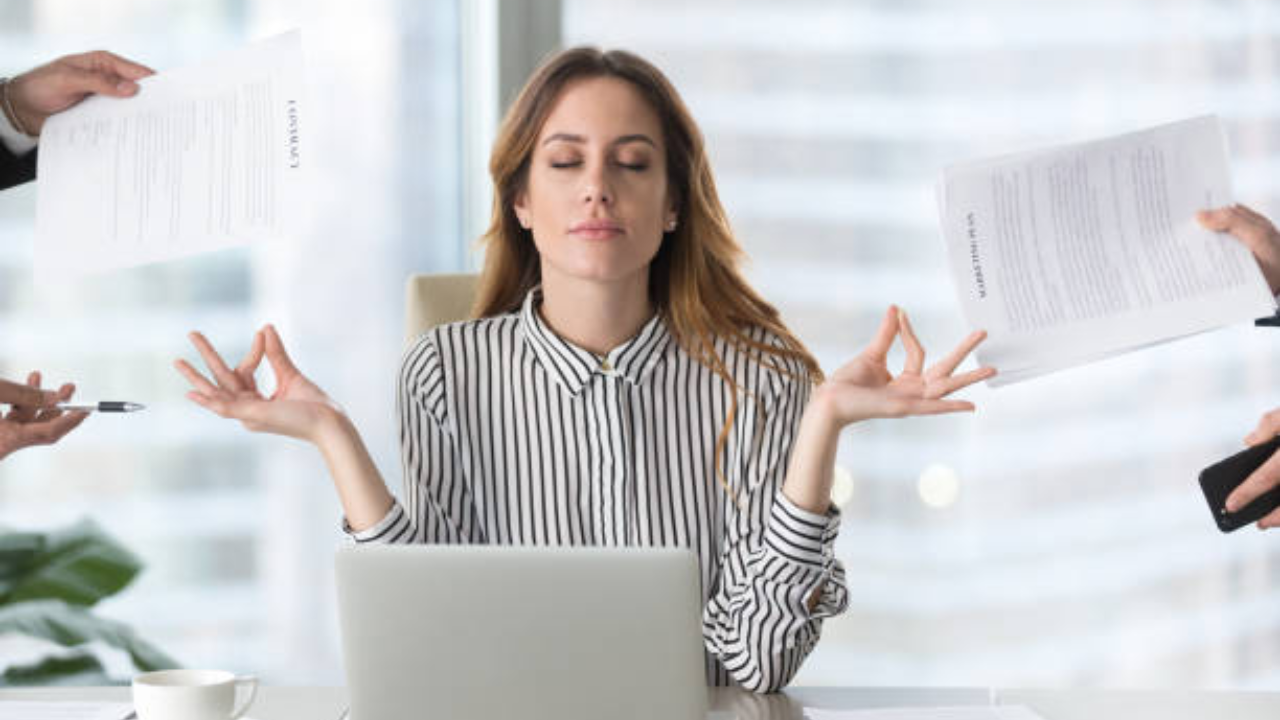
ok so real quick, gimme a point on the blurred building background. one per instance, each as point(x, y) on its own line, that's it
point(1057, 537)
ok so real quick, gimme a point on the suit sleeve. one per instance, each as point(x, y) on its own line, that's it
point(16, 169)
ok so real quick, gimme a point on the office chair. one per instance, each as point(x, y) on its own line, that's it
point(432, 300)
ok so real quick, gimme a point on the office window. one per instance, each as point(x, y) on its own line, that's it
point(238, 530)
point(1057, 537)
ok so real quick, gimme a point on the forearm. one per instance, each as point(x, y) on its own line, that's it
point(813, 459)
point(361, 489)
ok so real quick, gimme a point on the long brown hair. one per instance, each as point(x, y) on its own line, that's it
point(694, 280)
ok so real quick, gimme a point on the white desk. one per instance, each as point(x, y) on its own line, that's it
point(325, 703)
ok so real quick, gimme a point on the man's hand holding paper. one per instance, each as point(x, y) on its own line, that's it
point(1253, 231)
point(203, 158)
point(37, 94)
point(1073, 254)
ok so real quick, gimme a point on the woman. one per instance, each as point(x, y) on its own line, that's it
point(622, 385)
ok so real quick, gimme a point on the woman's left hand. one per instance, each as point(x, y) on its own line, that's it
point(864, 388)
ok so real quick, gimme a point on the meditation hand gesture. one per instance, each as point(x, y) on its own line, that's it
point(864, 388)
point(298, 408)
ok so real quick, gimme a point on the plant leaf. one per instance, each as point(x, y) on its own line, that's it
point(79, 564)
point(18, 551)
point(70, 626)
point(75, 669)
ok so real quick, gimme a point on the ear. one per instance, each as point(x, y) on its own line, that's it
point(521, 207)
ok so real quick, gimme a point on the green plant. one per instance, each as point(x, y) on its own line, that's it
point(48, 583)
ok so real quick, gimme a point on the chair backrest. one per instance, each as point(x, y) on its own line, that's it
point(432, 300)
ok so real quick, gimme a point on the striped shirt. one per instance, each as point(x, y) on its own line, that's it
point(512, 435)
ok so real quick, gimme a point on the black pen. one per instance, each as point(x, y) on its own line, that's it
point(104, 406)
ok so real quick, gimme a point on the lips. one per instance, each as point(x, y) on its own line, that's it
point(596, 229)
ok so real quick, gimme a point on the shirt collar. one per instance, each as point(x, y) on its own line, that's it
point(573, 367)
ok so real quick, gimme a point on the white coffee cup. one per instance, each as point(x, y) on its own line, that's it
point(191, 695)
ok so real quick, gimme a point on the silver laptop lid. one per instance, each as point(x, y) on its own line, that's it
point(478, 632)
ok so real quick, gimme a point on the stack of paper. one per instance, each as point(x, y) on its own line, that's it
point(1075, 253)
point(202, 158)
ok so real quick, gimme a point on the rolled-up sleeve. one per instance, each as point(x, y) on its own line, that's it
point(759, 620)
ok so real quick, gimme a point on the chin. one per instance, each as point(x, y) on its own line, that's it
point(603, 272)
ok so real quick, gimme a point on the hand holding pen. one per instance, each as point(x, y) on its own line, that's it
point(34, 417)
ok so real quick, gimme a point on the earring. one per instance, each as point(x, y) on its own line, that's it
point(671, 226)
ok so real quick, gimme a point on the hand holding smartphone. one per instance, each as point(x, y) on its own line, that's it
point(1219, 479)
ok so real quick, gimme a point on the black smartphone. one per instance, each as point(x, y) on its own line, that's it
point(1219, 479)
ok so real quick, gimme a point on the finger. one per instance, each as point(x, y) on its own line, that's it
point(938, 407)
point(12, 393)
point(1259, 481)
point(252, 358)
point(249, 365)
point(51, 431)
point(948, 364)
point(194, 377)
point(27, 413)
point(214, 362)
point(281, 365)
point(51, 410)
point(883, 340)
point(122, 66)
point(102, 72)
point(1240, 226)
point(945, 386)
point(1270, 521)
point(1253, 215)
point(81, 81)
point(915, 351)
point(1268, 427)
point(215, 405)
point(1217, 219)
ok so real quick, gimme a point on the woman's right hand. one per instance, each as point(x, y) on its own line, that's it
point(298, 408)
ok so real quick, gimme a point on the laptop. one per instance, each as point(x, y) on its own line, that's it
point(469, 632)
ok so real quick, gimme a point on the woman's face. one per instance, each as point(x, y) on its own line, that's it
point(597, 198)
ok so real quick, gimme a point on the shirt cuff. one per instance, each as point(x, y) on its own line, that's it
point(386, 529)
point(16, 142)
point(802, 536)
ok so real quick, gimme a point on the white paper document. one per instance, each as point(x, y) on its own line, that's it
point(993, 712)
point(201, 158)
point(1079, 252)
point(64, 710)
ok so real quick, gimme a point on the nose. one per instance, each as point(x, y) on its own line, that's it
point(596, 187)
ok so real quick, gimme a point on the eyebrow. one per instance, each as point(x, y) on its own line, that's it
point(568, 137)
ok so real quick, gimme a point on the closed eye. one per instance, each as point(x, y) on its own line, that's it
point(567, 164)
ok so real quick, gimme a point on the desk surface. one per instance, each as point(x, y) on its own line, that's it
point(326, 703)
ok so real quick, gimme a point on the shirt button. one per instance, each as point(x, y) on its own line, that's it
point(605, 366)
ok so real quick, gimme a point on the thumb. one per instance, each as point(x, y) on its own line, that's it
point(83, 82)
point(1216, 219)
point(1268, 427)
